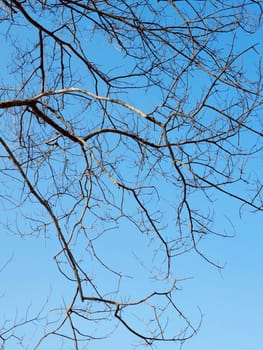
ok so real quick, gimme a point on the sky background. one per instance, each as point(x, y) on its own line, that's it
point(230, 299)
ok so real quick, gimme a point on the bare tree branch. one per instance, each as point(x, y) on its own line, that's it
point(122, 123)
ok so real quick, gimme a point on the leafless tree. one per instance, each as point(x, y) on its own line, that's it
point(121, 123)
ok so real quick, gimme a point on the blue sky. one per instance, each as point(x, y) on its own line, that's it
point(230, 299)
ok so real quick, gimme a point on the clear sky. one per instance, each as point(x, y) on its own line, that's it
point(230, 300)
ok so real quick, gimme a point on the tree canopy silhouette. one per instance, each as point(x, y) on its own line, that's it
point(121, 123)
